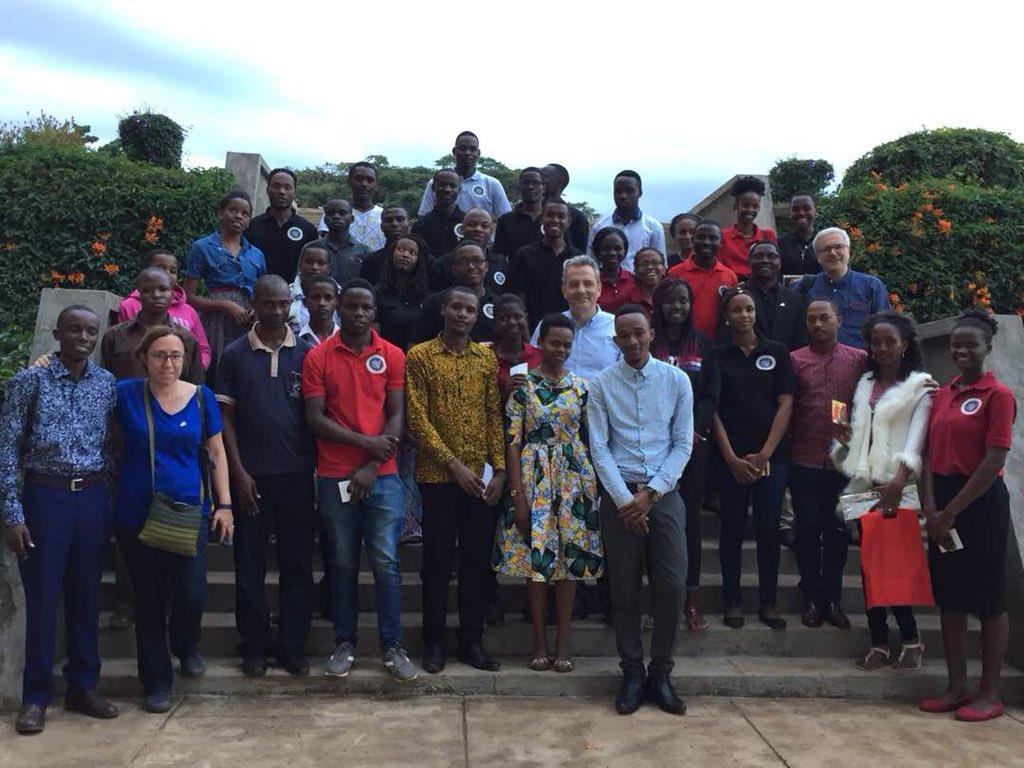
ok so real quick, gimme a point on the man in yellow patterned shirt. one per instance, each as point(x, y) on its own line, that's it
point(454, 411)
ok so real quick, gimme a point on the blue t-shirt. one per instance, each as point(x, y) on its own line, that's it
point(212, 263)
point(177, 439)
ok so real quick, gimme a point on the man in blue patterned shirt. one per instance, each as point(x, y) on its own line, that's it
point(55, 431)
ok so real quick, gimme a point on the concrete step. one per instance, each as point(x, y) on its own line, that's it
point(589, 638)
point(594, 676)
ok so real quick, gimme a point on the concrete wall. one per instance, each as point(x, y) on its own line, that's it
point(718, 205)
point(53, 300)
point(251, 174)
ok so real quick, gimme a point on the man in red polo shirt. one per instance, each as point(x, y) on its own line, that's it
point(353, 385)
point(706, 275)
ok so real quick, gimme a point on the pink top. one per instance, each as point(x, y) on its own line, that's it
point(180, 311)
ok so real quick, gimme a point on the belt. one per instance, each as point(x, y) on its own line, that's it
point(635, 487)
point(73, 484)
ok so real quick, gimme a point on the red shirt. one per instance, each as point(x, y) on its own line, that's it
point(618, 292)
point(966, 421)
point(530, 355)
point(707, 286)
point(354, 387)
point(733, 252)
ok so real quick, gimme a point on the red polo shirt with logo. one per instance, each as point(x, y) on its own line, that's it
point(966, 420)
point(733, 252)
point(354, 387)
point(707, 286)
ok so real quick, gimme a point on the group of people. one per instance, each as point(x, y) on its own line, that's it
point(527, 396)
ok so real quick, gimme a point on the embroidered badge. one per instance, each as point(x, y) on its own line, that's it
point(458, 231)
point(970, 405)
point(376, 364)
point(499, 278)
point(294, 234)
point(489, 311)
point(721, 290)
point(765, 363)
point(478, 190)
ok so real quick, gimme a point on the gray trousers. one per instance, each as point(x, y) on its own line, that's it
point(663, 552)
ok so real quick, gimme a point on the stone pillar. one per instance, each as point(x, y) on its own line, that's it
point(251, 174)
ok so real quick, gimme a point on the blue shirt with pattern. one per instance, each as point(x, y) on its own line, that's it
point(54, 424)
point(212, 263)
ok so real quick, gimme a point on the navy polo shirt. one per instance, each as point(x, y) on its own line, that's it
point(265, 388)
point(281, 243)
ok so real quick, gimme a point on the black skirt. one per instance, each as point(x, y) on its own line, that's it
point(973, 579)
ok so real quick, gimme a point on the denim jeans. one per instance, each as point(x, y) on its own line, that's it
point(377, 520)
point(821, 539)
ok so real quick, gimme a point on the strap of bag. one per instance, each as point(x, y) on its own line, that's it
point(149, 426)
point(202, 443)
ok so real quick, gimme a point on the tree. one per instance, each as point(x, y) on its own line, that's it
point(792, 175)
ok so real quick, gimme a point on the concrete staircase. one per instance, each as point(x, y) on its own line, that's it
point(753, 661)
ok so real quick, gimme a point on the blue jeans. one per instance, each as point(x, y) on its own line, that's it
point(377, 520)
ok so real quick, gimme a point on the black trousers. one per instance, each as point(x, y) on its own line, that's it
point(821, 538)
point(692, 487)
point(663, 552)
point(450, 519)
point(286, 510)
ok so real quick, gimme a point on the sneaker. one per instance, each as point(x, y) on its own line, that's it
point(341, 660)
point(396, 661)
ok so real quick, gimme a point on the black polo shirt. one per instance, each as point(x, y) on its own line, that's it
point(438, 229)
point(579, 229)
point(797, 255)
point(514, 230)
point(373, 265)
point(281, 244)
point(441, 276)
point(749, 394)
point(535, 272)
point(429, 322)
point(346, 261)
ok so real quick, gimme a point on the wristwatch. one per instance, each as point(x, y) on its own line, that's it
point(513, 493)
point(655, 496)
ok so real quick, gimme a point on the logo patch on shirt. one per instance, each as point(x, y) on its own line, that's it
point(499, 278)
point(294, 234)
point(765, 363)
point(478, 190)
point(457, 229)
point(721, 290)
point(376, 364)
point(970, 406)
point(489, 311)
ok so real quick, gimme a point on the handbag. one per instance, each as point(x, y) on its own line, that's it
point(893, 561)
point(173, 526)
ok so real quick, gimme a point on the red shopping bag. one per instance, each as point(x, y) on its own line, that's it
point(893, 561)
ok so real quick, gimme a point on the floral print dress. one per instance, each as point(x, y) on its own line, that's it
point(545, 419)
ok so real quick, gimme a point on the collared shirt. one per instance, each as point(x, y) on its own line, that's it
point(797, 255)
point(365, 227)
point(514, 230)
point(735, 244)
point(264, 386)
point(641, 426)
point(821, 377)
point(618, 292)
point(593, 344)
point(453, 409)
point(54, 424)
point(212, 263)
point(429, 323)
point(476, 191)
point(306, 333)
point(281, 243)
point(438, 229)
point(536, 273)
point(707, 286)
point(118, 352)
point(967, 420)
point(373, 265)
point(858, 295)
point(397, 315)
point(180, 312)
point(780, 314)
point(642, 231)
point(751, 385)
point(346, 260)
point(354, 386)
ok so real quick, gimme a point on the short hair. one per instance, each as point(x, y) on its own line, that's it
point(563, 172)
point(152, 253)
point(466, 242)
point(580, 261)
point(466, 133)
point(745, 184)
point(336, 199)
point(289, 171)
point(151, 270)
point(554, 320)
point(314, 245)
point(234, 194)
point(553, 201)
point(444, 170)
point(309, 282)
point(507, 299)
point(360, 164)
point(270, 279)
point(976, 318)
point(530, 169)
point(631, 175)
point(709, 223)
point(756, 243)
point(913, 359)
point(395, 207)
point(631, 309)
point(158, 332)
point(843, 235)
point(827, 300)
point(649, 249)
point(358, 284)
point(679, 217)
point(75, 308)
point(795, 195)
point(603, 234)
point(446, 297)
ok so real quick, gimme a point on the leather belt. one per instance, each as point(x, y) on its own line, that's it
point(73, 484)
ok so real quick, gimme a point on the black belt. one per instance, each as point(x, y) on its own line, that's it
point(79, 483)
point(635, 487)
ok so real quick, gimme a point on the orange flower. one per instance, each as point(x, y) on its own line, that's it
point(155, 222)
point(971, 286)
point(872, 247)
point(57, 277)
point(879, 187)
point(897, 251)
point(945, 225)
point(989, 220)
point(99, 248)
point(103, 236)
point(150, 237)
point(903, 187)
point(952, 296)
point(927, 207)
point(76, 278)
point(10, 246)
point(874, 174)
point(918, 215)
point(856, 234)
point(952, 186)
point(111, 269)
point(912, 288)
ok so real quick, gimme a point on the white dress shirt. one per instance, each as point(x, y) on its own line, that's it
point(642, 232)
point(593, 345)
point(477, 191)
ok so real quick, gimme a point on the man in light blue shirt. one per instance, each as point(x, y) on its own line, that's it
point(641, 230)
point(477, 190)
point(640, 417)
point(593, 343)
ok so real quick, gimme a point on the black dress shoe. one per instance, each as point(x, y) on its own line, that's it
point(812, 615)
point(477, 657)
point(31, 719)
point(297, 665)
point(776, 622)
point(630, 692)
point(433, 659)
point(495, 616)
point(254, 666)
point(89, 703)
point(658, 689)
point(193, 666)
point(836, 616)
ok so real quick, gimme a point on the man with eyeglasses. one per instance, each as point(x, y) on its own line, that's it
point(857, 294)
point(469, 269)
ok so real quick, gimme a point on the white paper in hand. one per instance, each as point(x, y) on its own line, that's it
point(518, 370)
point(345, 491)
point(957, 543)
point(488, 473)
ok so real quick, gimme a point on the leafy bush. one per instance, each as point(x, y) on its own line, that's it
point(152, 138)
point(793, 175)
point(962, 155)
point(77, 218)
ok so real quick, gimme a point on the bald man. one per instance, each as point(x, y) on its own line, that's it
point(477, 225)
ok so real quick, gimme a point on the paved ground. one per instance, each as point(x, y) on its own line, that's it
point(459, 731)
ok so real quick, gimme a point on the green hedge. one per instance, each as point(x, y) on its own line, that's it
point(793, 175)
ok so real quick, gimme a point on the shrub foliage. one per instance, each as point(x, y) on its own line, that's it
point(793, 175)
point(151, 138)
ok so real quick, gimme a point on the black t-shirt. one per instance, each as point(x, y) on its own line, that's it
point(396, 316)
point(373, 265)
point(797, 255)
point(514, 230)
point(429, 323)
point(439, 230)
point(281, 244)
point(536, 273)
point(750, 388)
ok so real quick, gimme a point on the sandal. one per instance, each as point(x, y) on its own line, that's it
point(911, 657)
point(541, 664)
point(564, 665)
point(876, 658)
point(695, 621)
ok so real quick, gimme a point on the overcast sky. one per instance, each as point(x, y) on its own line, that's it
point(686, 97)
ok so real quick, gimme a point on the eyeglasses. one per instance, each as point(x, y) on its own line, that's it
point(470, 262)
point(163, 357)
point(830, 248)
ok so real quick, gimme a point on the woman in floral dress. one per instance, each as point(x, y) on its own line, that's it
point(551, 533)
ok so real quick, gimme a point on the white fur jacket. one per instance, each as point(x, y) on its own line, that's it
point(892, 434)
